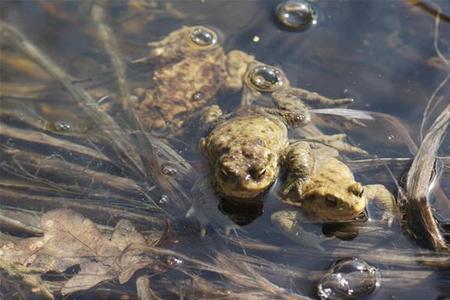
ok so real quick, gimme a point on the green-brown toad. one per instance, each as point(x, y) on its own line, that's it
point(326, 189)
point(246, 151)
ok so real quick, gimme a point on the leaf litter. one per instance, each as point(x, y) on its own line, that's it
point(70, 240)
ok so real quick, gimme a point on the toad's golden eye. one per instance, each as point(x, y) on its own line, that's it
point(356, 189)
point(203, 37)
point(331, 201)
point(361, 193)
point(265, 78)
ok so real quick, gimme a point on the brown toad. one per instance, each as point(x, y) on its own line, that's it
point(191, 69)
point(325, 188)
point(246, 152)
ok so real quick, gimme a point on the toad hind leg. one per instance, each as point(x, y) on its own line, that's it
point(210, 116)
point(305, 95)
point(336, 141)
point(290, 108)
point(289, 223)
point(300, 163)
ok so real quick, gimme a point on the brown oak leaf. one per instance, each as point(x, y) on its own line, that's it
point(72, 240)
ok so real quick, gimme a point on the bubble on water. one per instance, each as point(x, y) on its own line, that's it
point(296, 14)
point(266, 78)
point(197, 96)
point(62, 126)
point(349, 278)
point(161, 132)
point(203, 37)
point(173, 261)
point(10, 142)
point(164, 200)
point(168, 170)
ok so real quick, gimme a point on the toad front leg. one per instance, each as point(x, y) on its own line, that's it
point(304, 95)
point(378, 192)
point(290, 109)
point(300, 163)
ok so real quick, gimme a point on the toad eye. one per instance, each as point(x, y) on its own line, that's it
point(356, 189)
point(331, 201)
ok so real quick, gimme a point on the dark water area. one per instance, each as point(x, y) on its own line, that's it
point(380, 53)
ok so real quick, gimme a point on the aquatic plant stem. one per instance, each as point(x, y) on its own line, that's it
point(418, 212)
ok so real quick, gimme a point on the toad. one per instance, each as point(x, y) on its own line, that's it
point(325, 188)
point(191, 67)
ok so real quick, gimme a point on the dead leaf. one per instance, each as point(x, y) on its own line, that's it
point(70, 239)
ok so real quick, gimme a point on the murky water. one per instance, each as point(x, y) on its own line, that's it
point(57, 151)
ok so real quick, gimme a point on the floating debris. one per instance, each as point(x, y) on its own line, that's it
point(296, 14)
point(203, 37)
point(266, 78)
point(349, 278)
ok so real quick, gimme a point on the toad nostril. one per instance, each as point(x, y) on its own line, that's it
point(256, 172)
